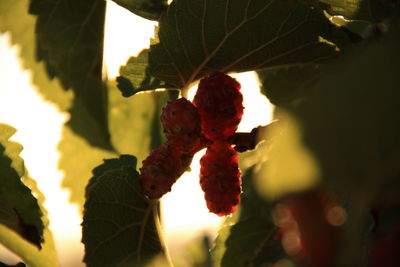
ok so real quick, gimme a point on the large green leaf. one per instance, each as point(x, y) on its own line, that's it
point(356, 108)
point(14, 19)
point(23, 222)
point(70, 42)
point(199, 37)
point(120, 226)
point(148, 9)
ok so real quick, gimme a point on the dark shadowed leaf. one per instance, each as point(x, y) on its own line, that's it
point(70, 41)
point(135, 76)
point(23, 222)
point(356, 108)
point(349, 124)
point(285, 85)
point(148, 9)
point(199, 37)
point(120, 225)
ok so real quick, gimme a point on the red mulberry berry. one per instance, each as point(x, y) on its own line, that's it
point(220, 178)
point(219, 102)
point(181, 123)
point(161, 169)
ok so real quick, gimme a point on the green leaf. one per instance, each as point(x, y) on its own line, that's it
point(14, 19)
point(23, 222)
point(19, 209)
point(120, 225)
point(148, 9)
point(135, 76)
point(199, 37)
point(70, 42)
point(370, 10)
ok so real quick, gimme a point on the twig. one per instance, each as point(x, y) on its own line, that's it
point(248, 141)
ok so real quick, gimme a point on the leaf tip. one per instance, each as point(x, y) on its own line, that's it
point(125, 86)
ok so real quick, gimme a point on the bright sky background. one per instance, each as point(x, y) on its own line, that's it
point(39, 131)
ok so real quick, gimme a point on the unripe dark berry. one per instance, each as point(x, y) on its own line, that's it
point(219, 102)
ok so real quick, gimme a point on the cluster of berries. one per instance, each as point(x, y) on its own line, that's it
point(160, 170)
point(212, 118)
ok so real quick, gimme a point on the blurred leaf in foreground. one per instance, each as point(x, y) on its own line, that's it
point(291, 166)
point(285, 85)
point(350, 121)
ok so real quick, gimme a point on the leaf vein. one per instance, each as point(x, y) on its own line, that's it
point(274, 39)
point(221, 43)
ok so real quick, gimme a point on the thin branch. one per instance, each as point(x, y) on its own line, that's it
point(248, 141)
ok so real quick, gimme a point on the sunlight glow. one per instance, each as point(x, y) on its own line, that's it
point(126, 35)
point(38, 125)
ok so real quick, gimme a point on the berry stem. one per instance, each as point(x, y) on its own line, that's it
point(248, 141)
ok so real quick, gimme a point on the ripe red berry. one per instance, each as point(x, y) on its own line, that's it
point(161, 169)
point(181, 123)
point(220, 178)
point(219, 102)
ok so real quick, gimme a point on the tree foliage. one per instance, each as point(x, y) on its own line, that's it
point(330, 67)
